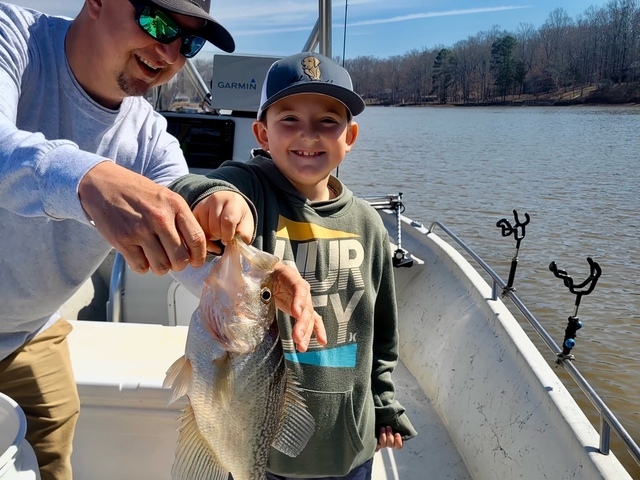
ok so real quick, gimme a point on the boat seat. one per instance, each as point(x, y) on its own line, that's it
point(147, 298)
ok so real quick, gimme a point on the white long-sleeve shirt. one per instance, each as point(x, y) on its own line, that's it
point(51, 134)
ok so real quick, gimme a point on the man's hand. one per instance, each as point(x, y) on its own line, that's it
point(222, 215)
point(293, 297)
point(149, 224)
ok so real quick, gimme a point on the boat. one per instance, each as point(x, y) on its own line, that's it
point(485, 401)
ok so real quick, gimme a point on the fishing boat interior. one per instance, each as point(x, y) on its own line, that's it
point(484, 399)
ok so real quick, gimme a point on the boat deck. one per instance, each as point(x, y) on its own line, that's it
point(431, 451)
point(119, 369)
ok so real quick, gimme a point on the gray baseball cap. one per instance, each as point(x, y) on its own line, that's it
point(211, 31)
point(309, 72)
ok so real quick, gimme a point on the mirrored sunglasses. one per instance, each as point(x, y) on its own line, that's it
point(164, 29)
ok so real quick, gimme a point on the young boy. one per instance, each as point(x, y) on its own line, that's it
point(309, 219)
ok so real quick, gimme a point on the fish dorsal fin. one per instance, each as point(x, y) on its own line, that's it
point(179, 378)
point(194, 459)
point(223, 382)
point(296, 423)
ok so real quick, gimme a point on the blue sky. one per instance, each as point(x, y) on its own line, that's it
point(379, 28)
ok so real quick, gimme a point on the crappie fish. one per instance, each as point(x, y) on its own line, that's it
point(242, 398)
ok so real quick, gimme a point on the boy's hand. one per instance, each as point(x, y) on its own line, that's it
point(223, 214)
point(388, 439)
point(293, 297)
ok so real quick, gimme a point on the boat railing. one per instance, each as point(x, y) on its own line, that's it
point(608, 420)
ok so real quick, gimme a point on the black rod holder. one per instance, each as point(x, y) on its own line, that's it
point(519, 232)
point(574, 324)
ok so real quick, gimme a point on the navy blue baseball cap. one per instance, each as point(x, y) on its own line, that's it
point(309, 72)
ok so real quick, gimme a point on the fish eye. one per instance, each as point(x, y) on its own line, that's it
point(265, 295)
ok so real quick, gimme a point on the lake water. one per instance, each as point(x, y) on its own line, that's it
point(575, 171)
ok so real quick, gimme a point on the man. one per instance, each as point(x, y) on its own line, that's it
point(83, 160)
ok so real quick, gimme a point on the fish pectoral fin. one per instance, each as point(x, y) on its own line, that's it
point(194, 459)
point(296, 423)
point(223, 382)
point(179, 377)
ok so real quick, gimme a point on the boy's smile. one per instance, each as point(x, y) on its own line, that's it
point(308, 136)
point(306, 154)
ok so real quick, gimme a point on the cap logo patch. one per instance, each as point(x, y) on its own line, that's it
point(311, 67)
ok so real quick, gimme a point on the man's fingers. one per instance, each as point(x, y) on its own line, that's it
point(157, 256)
point(136, 259)
point(193, 241)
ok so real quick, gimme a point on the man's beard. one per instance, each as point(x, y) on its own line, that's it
point(132, 89)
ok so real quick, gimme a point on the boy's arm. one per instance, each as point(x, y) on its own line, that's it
point(389, 412)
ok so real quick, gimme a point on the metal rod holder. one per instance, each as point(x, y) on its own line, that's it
point(574, 324)
point(519, 232)
point(401, 257)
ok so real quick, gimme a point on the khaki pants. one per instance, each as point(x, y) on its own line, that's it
point(38, 376)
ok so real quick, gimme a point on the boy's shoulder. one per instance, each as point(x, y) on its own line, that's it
point(369, 213)
point(364, 205)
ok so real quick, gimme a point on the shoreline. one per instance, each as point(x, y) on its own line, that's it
point(614, 95)
point(509, 104)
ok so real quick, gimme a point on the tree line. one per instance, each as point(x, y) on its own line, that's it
point(600, 48)
point(597, 53)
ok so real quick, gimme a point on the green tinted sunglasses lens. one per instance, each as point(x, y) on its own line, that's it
point(191, 45)
point(158, 25)
point(162, 28)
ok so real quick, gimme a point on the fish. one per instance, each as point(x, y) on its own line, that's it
point(242, 398)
